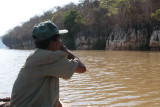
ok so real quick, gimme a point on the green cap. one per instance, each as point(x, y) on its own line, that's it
point(45, 30)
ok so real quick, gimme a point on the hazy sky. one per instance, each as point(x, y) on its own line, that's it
point(15, 12)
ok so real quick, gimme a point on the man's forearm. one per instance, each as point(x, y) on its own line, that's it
point(74, 57)
point(81, 66)
point(70, 55)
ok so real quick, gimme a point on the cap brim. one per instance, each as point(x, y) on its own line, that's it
point(63, 31)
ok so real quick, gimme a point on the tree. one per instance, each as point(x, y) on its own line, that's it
point(113, 6)
point(69, 23)
point(156, 15)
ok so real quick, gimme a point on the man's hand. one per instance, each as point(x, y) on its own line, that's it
point(71, 56)
point(59, 104)
point(81, 67)
point(64, 48)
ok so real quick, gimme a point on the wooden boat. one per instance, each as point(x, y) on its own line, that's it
point(6, 103)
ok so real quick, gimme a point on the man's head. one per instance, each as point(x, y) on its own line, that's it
point(46, 34)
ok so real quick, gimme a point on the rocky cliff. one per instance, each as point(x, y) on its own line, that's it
point(155, 41)
point(139, 37)
point(132, 38)
point(90, 40)
point(28, 44)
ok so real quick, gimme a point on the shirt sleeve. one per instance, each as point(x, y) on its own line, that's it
point(64, 68)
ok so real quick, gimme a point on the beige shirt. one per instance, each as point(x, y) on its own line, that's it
point(37, 84)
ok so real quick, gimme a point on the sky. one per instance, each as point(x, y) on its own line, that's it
point(15, 12)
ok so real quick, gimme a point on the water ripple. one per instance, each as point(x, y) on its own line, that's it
point(118, 78)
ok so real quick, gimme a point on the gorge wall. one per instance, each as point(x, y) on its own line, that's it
point(155, 41)
point(89, 40)
point(129, 38)
point(26, 45)
point(139, 37)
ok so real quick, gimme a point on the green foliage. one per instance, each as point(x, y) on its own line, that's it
point(99, 45)
point(80, 20)
point(54, 16)
point(72, 20)
point(57, 19)
point(156, 15)
point(69, 19)
point(69, 23)
point(113, 6)
point(68, 41)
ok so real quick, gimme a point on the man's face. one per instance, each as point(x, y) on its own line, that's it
point(58, 42)
point(55, 45)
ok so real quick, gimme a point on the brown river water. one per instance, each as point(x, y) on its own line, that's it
point(113, 78)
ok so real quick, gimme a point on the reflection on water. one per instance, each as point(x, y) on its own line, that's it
point(116, 78)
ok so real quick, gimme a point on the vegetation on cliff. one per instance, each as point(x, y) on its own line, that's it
point(94, 18)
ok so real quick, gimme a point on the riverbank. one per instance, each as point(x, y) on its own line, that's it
point(132, 39)
point(93, 26)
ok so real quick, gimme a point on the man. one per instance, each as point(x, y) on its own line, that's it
point(37, 84)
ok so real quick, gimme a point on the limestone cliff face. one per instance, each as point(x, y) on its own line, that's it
point(128, 38)
point(131, 39)
point(135, 38)
point(82, 43)
point(28, 44)
point(86, 40)
point(155, 41)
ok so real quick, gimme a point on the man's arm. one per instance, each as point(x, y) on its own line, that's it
point(59, 104)
point(81, 67)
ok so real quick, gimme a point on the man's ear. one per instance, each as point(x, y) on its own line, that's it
point(51, 44)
